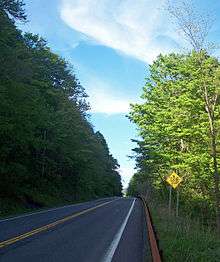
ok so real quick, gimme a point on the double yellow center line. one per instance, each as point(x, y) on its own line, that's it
point(48, 226)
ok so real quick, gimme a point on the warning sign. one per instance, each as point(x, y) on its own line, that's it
point(174, 180)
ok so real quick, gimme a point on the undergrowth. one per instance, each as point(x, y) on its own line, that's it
point(184, 239)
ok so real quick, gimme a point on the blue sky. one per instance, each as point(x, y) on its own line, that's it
point(110, 44)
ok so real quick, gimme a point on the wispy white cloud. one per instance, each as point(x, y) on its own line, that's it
point(103, 103)
point(103, 99)
point(135, 28)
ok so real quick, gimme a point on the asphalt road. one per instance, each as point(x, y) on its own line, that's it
point(111, 229)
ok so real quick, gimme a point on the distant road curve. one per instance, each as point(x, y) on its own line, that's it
point(105, 230)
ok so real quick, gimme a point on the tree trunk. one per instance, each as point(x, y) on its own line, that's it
point(43, 154)
point(211, 117)
point(216, 183)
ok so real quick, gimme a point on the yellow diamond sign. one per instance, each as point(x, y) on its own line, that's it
point(174, 180)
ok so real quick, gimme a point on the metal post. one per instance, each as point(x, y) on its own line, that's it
point(170, 199)
point(177, 202)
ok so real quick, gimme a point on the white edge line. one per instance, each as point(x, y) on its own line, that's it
point(44, 211)
point(110, 252)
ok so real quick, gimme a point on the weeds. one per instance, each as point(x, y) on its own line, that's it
point(184, 239)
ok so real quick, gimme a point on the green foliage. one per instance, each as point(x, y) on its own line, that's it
point(184, 239)
point(15, 8)
point(175, 126)
point(48, 148)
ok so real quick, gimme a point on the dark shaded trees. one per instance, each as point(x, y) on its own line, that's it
point(15, 8)
point(48, 148)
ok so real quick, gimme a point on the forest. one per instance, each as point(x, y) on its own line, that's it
point(49, 151)
point(179, 123)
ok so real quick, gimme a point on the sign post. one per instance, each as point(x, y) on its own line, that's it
point(174, 181)
point(170, 199)
point(177, 202)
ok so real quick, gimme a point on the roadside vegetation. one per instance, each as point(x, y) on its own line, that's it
point(184, 239)
point(179, 126)
point(49, 151)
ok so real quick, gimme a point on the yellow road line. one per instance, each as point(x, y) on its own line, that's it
point(46, 227)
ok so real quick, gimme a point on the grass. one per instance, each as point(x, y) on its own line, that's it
point(184, 239)
point(9, 207)
point(35, 202)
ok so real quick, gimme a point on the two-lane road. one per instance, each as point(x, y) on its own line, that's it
point(111, 229)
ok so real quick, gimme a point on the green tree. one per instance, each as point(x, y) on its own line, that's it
point(174, 122)
point(15, 8)
point(49, 151)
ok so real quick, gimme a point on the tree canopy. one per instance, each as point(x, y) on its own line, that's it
point(49, 149)
point(179, 123)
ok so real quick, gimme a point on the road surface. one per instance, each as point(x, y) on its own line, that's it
point(110, 229)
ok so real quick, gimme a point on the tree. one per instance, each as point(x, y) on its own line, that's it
point(49, 151)
point(15, 8)
point(175, 125)
point(193, 26)
point(196, 27)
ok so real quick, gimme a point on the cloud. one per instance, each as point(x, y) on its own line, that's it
point(126, 174)
point(102, 100)
point(103, 103)
point(135, 28)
